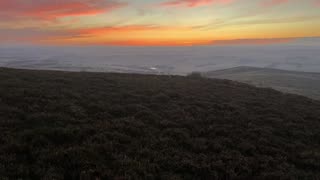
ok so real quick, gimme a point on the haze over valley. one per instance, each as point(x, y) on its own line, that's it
point(302, 83)
point(303, 55)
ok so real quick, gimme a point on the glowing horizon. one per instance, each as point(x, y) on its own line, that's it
point(157, 22)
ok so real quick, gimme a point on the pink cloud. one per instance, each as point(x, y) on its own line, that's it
point(194, 3)
point(52, 9)
point(317, 3)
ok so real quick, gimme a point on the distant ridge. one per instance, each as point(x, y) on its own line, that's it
point(302, 83)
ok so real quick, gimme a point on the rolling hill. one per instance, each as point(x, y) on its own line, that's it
point(68, 125)
point(302, 83)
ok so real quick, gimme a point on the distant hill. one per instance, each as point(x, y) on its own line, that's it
point(66, 125)
point(302, 83)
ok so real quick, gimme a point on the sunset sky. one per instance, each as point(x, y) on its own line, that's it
point(157, 22)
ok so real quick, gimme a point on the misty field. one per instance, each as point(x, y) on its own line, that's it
point(161, 60)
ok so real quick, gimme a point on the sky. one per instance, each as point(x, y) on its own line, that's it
point(157, 22)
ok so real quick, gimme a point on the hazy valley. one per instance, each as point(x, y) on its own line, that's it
point(303, 83)
point(161, 60)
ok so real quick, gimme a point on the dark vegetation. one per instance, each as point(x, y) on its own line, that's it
point(63, 125)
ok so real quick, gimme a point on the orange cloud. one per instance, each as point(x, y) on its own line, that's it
point(157, 43)
point(145, 42)
point(194, 3)
point(144, 35)
point(119, 29)
point(52, 9)
point(135, 35)
point(168, 42)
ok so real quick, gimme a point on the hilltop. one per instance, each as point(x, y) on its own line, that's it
point(70, 125)
point(302, 83)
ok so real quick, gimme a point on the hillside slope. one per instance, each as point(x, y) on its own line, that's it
point(302, 83)
point(64, 125)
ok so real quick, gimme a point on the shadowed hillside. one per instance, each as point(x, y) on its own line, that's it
point(302, 83)
point(64, 125)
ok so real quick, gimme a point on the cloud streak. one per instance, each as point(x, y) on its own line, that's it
point(104, 36)
point(133, 35)
point(193, 3)
point(53, 9)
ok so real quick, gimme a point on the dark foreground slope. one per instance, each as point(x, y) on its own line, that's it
point(303, 83)
point(60, 125)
